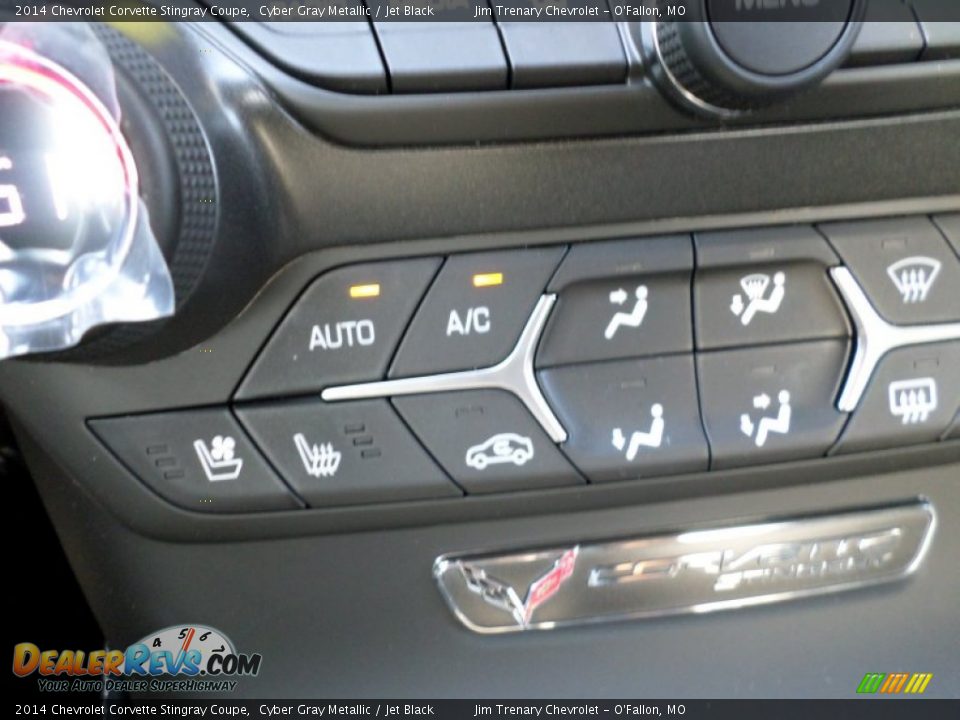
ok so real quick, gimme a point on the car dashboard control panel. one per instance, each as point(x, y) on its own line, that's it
point(481, 71)
point(545, 367)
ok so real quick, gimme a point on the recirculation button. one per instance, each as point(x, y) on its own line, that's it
point(486, 440)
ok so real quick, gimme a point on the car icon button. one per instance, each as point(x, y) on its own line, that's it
point(486, 440)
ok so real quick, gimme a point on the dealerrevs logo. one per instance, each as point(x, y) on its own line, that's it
point(180, 657)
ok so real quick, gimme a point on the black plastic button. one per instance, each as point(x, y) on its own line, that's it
point(343, 329)
point(551, 54)
point(905, 267)
point(771, 404)
point(890, 34)
point(762, 286)
point(336, 55)
point(912, 398)
point(627, 298)
point(950, 226)
point(629, 419)
point(345, 453)
point(475, 311)
point(486, 440)
point(444, 54)
point(197, 459)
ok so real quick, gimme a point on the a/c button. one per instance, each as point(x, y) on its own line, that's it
point(343, 329)
point(474, 313)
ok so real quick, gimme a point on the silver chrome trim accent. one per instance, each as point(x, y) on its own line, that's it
point(875, 337)
point(514, 373)
point(699, 571)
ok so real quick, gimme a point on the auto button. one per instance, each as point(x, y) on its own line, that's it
point(486, 440)
point(343, 329)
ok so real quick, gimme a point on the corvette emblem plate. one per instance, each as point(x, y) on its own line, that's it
point(698, 570)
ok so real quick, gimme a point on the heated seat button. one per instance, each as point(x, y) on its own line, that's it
point(486, 440)
point(905, 267)
point(345, 453)
point(197, 459)
point(626, 298)
point(771, 404)
point(764, 286)
point(343, 329)
point(629, 419)
point(912, 398)
point(475, 311)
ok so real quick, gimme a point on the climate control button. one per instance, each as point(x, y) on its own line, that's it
point(764, 286)
point(905, 266)
point(345, 454)
point(475, 311)
point(629, 419)
point(196, 459)
point(343, 329)
point(912, 398)
point(626, 298)
point(771, 404)
point(486, 440)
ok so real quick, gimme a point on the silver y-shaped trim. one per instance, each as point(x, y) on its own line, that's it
point(876, 337)
point(514, 374)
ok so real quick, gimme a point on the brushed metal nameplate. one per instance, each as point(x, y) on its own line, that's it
point(695, 571)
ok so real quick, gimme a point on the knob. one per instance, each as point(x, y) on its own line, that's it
point(76, 248)
point(108, 196)
point(726, 57)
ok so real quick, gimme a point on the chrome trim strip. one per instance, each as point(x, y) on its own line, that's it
point(875, 337)
point(514, 373)
point(699, 571)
